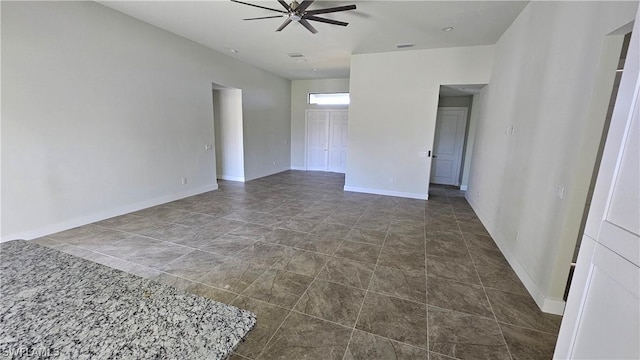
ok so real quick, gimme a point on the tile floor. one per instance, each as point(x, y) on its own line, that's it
point(332, 274)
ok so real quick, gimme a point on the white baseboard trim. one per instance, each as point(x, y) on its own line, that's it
point(386, 192)
point(548, 305)
point(231, 178)
point(302, 168)
point(102, 215)
point(463, 187)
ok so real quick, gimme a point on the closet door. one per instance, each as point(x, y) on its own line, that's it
point(327, 140)
point(317, 136)
point(338, 127)
point(602, 317)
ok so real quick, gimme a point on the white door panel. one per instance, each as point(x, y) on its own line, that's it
point(338, 126)
point(327, 134)
point(317, 140)
point(451, 124)
point(602, 316)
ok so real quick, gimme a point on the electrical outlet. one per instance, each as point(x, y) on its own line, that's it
point(184, 181)
point(208, 147)
point(560, 191)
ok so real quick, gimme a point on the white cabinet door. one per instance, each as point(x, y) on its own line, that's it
point(602, 317)
point(451, 125)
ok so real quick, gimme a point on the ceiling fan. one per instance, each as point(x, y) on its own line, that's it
point(298, 12)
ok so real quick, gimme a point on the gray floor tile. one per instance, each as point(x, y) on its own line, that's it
point(304, 337)
point(405, 284)
point(302, 262)
point(358, 251)
point(367, 346)
point(193, 264)
point(331, 301)
point(395, 318)
point(521, 310)
point(457, 296)
point(526, 344)
point(269, 316)
point(278, 287)
point(465, 336)
point(347, 272)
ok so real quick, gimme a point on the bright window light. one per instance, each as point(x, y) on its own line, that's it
point(329, 98)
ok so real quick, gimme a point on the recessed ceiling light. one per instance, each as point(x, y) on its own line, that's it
point(314, 69)
point(449, 28)
point(404, 46)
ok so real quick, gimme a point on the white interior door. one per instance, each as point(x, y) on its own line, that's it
point(451, 124)
point(327, 140)
point(338, 128)
point(602, 317)
point(317, 146)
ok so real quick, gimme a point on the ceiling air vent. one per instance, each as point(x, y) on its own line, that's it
point(404, 46)
point(295, 55)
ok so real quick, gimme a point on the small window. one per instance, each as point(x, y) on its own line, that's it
point(329, 98)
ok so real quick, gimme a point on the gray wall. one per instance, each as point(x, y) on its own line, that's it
point(103, 114)
point(544, 84)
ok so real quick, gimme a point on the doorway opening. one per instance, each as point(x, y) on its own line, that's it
point(453, 138)
point(229, 133)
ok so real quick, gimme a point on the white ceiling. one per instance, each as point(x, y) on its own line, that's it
point(375, 26)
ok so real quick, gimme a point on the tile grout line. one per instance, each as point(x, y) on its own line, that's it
point(426, 283)
point(366, 292)
point(483, 287)
point(295, 305)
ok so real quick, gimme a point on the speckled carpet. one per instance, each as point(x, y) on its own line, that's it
point(55, 305)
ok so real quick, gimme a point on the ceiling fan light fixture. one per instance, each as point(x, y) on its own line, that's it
point(297, 12)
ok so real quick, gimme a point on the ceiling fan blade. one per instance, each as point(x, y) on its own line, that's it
point(284, 4)
point(304, 5)
point(258, 6)
point(306, 24)
point(284, 24)
point(264, 17)
point(330, 10)
point(328, 21)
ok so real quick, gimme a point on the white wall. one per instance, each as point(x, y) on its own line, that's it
point(470, 140)
point(227, 114)
point(394, 101)
point(103, 114)
point(542, 84)
point(299, 92)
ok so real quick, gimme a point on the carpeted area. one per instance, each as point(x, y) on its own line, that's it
point(54, 305)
